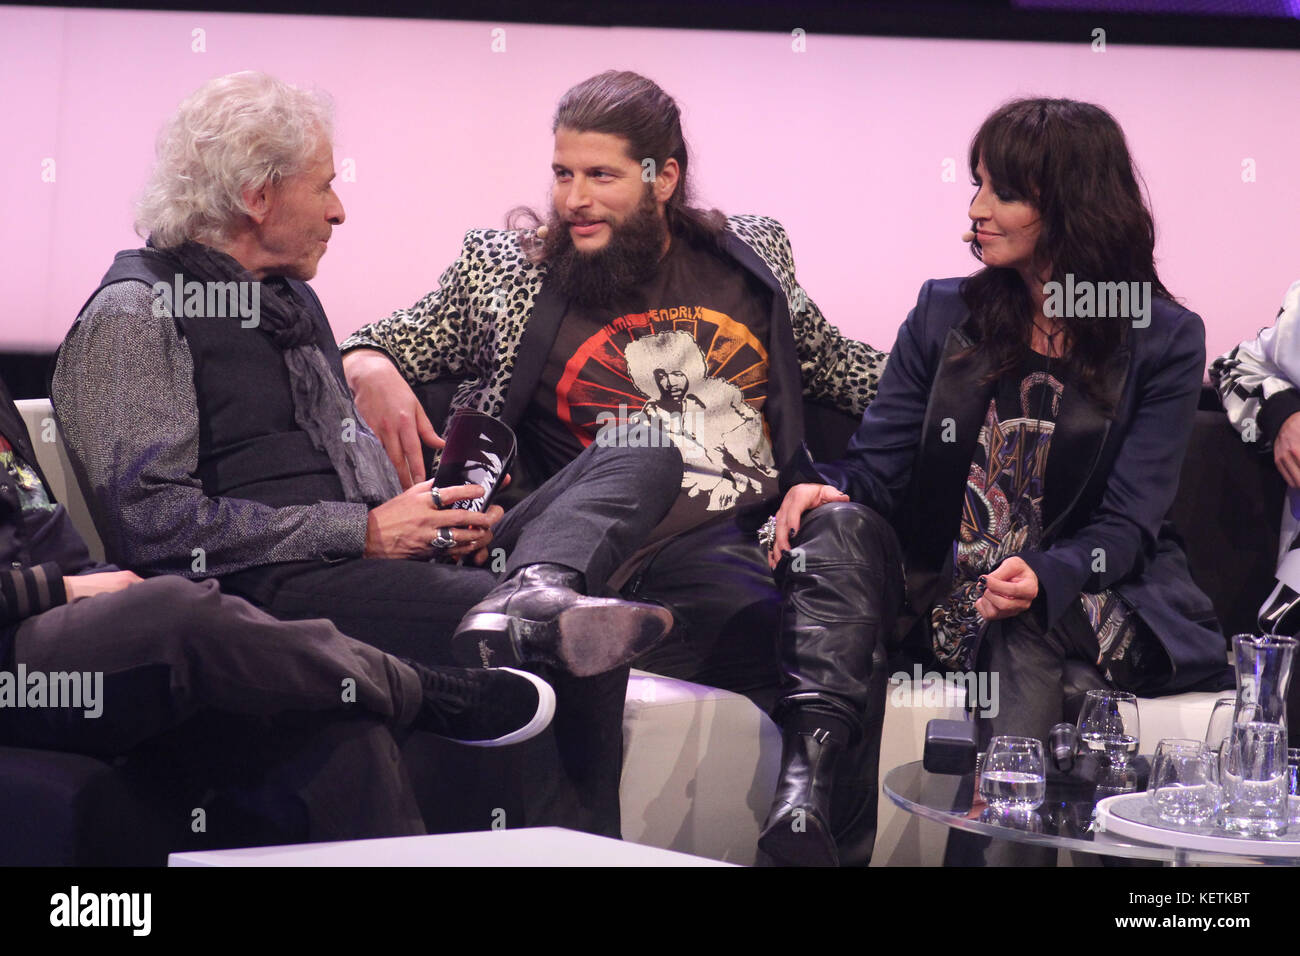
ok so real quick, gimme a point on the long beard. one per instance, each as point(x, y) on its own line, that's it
point(609, 275)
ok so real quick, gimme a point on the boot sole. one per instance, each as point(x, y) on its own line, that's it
point(596, 639)
point(584, 640)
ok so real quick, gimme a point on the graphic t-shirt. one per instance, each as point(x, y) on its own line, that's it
point(682, 361)
point(1002, 514)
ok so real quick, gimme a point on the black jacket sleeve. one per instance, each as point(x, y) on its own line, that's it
point(26, 591)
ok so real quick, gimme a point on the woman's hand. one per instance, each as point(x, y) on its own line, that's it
point(1011, 588)
point(798, 499)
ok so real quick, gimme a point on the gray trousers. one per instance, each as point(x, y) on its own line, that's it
point(591, 516)
point(1042, 676)
point(1042, 679)
point(204, 691)
point(736, 631)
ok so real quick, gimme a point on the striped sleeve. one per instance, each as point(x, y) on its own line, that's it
point(26, 591)
point(1257, 379)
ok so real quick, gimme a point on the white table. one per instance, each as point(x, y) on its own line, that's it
point(540, 846)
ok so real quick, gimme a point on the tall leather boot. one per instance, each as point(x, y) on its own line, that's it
point(798, 827)
point(856, 796)
point(842, 586)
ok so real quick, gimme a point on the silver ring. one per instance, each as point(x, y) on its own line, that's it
point(444, 540)
point(436, 495)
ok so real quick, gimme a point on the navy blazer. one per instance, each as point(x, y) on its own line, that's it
point(1108, 486)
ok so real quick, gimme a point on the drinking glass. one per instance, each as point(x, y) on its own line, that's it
point(1013, 774)
point(1219, 728)
point(1184, 785)
point(1109, 722)
point(1254, 774)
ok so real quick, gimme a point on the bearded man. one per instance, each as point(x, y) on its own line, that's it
point(541, 324)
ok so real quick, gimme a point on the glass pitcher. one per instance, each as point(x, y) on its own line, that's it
point(1253, 769)
point(1263, 676)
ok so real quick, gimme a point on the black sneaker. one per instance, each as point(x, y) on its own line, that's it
point(483, 708)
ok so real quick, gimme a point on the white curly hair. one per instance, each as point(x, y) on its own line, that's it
point(243, 130)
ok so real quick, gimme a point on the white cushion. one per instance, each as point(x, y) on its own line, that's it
point(699, 768)
point(52, 456)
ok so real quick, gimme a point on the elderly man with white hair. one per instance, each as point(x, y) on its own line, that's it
point(203, 396)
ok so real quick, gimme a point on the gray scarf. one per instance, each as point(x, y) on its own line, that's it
point(322, 402)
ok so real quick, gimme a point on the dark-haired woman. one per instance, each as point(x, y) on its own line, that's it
point(1019, 459)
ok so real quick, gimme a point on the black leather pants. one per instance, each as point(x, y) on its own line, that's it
point(726, 606)
point(729, 609)
point(730, 613)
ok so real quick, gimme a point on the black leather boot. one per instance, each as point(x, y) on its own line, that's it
point(842, 586)
point(540, 615)
point(798, 828)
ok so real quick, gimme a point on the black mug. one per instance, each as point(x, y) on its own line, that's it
point(479, 451)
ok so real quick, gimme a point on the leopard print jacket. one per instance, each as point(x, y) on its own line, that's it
point(471, 325)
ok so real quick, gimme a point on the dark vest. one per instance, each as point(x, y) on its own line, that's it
point(249, 444)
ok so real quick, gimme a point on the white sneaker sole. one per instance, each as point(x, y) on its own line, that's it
point(539, 722)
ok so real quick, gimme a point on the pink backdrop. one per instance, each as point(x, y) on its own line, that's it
point(844, 143)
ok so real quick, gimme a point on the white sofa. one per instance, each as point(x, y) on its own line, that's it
point(700, 764)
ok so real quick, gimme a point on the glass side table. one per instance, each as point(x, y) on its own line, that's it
point(1065, 821)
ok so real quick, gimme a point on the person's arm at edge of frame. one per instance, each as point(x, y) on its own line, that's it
point(1257, 384)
